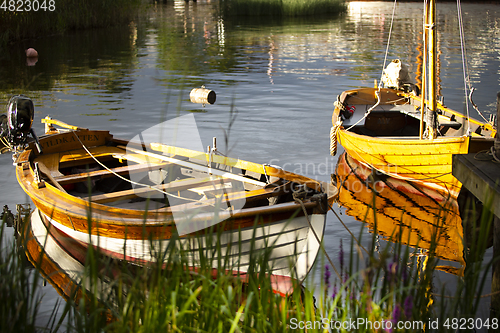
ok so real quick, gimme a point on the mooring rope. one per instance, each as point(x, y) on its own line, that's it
point(349, 231)
point(377, 93)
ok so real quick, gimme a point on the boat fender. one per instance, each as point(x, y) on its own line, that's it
point(333, 138)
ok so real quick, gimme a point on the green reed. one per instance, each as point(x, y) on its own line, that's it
point(19, 20)
point(282, 8)
point(171, 296)
point(378, 285)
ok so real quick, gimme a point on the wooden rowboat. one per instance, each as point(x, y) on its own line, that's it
point(81, 185)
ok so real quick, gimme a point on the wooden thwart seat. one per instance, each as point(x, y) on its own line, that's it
point(123, 170)
point(178, 185)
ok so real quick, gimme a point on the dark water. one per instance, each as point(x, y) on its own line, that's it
point(277, 79)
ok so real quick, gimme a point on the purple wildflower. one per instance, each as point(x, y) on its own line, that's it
point(404, 274)
point(335, 291)
point(327, 276)
point(408, 306)
point(396, 314)
point(341, 256)
point(391, 272)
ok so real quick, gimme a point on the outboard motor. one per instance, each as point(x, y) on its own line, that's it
point(16, 126)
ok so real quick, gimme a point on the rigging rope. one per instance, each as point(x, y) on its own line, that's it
point(388, 39)
point(465, 67)
point(377, 93)
point(464, 62)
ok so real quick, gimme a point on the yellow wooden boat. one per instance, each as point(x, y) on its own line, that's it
point(402, 211)
point(405, 133)
point(84, 183)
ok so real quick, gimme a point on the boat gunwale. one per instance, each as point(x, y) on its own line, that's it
point(141, 219)
point(72, 199)
point(345, 95)
point(406, 140)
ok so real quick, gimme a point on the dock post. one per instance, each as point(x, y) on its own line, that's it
point(496, 145)
point(495, 279)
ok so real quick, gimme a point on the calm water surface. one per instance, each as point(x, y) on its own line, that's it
point(277, 79)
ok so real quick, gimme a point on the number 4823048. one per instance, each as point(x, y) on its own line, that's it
point(28, 5)
point(471, 323)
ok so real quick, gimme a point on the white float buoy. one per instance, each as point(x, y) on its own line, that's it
point(202, 96)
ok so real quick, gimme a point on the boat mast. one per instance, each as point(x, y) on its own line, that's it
point(432, 46)
point(425, 40)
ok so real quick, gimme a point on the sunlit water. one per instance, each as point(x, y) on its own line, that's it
point(277, 79)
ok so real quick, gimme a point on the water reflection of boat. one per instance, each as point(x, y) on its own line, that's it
point(85, 184)
point(63, 269)
point(402, 130)
point(399, 210)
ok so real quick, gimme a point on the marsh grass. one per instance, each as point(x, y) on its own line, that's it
point(386, 285)
point(171, 296)
point(62, 15)
point(282, 8)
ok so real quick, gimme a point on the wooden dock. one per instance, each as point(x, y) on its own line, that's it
point(480, 174)
point(482, 179)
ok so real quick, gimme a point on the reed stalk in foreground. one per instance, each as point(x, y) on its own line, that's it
point(380, 287)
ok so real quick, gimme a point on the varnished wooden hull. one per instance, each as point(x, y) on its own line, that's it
point(291, 245)
point(128, 227)
point(61, 260)
point(409, 159)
